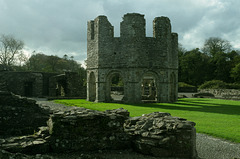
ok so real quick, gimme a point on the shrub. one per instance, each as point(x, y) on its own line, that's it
point(234, 86)
point(217, 84)
point(214, 84)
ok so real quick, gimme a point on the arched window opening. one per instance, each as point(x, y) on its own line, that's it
point(117, 87)
point(149, 89)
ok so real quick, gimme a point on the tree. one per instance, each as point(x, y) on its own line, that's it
point(22, 58)
point(181, 49)
point(9, 49)
point(37, 62)
point(194, 67)
point(222, 67)
point(214, 45)
point(53, 62)
point(46, 63)
point(235, 73)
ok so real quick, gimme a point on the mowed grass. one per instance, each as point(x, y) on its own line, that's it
point(219, 118)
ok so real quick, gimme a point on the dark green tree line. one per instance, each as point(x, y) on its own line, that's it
point(52, 63)
point(215, 61)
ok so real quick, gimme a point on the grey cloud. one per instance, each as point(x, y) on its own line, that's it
point(60, 27)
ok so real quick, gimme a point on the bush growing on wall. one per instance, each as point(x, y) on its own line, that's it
point(234, 86)
point(214, 84)
point(217, 84)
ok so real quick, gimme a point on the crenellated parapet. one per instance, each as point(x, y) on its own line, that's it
point(161, 27)
point(100, 28)
point(132, 47)
point(133, 26)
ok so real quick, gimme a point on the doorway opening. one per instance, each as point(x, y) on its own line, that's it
point(116, 87)
point(149, 89)
point(28, 89)
point(61, 88)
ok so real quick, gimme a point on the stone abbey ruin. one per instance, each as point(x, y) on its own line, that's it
point(148, 66)
point(145, 67)
point(42, 84)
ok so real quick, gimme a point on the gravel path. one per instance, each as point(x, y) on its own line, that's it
point(207, 147)
point(213, 148)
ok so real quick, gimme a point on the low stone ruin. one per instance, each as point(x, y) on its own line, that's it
point(20, 116)
point(42, 84)
point(232, 94)
point(83, 130)
point(88, 130)
point(160, 134)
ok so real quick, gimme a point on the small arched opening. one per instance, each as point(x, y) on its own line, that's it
point(116, 87)
point(149, 88)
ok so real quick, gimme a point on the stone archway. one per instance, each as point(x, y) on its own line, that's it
point(92, 87)
point(149, 87)
point(115, 87)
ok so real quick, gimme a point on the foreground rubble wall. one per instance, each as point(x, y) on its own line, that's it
point(88, 130)
point(160, 134)
point(20, 116)
point(83, 130)
point(157, 134)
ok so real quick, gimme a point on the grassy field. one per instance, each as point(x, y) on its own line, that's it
point(219, 118)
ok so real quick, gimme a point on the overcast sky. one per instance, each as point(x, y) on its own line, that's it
point(58, 27)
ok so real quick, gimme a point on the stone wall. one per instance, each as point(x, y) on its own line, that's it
point(223, 93)
point(88, 130)
point(20, 116)
point(39, 84)
point(157, 134)
point(23, 83)
point(83, 130)
point(160, 134)
point(68, 84)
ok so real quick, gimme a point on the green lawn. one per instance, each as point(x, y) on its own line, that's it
point(219, 118)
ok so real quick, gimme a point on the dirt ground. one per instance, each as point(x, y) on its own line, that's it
point(124, 154)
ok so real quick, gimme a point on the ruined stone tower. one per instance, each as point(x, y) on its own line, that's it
point(147, 66)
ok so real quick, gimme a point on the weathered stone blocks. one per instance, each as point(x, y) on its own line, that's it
point(157, 134)
point(88, 130)
point(233, 94)
point(20, 116)
point(160, 134)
